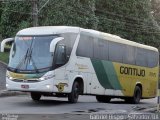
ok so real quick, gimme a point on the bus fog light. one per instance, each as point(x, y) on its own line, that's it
point(7, 85)
point(48, 86)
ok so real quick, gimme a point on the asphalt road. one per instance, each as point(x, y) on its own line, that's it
point(48, 105)
point(59, 108)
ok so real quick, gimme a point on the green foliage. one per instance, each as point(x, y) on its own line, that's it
point(4, 57)
point(14, 17)
point(130, 19)
point(69, 12)
point(156, 10)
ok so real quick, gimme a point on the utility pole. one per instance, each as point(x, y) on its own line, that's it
point(35, 12)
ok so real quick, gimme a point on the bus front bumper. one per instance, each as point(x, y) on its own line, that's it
point(49, 85)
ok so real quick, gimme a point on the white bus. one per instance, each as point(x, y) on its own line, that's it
point(65, 61)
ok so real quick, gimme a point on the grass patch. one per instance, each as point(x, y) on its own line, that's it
point(4, 57)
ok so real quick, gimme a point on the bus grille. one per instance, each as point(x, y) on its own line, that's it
point(25, 81)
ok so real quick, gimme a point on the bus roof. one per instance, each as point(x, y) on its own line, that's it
point(50, 30)
point(115, 38)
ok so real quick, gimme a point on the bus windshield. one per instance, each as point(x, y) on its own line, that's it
point(31, 54)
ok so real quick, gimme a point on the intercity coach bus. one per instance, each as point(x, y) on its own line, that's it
point(65, 61)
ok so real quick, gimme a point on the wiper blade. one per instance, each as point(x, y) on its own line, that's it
point(22, 61)
point(31, 59)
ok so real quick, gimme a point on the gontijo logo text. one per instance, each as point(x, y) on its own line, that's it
point(132, 71)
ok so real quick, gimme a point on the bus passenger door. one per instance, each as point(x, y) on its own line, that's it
point(82, 66)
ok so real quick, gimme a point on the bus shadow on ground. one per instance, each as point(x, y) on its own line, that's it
point(45, 102)
point(121, 101)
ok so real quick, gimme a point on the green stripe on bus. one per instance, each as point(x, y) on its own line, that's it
point(106, 74)
point(101, 74)
point(112, 75)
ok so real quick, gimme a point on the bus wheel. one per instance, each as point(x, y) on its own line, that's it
point(104, 99)
point(73, 96)
point(35, 96)
point(136, 97)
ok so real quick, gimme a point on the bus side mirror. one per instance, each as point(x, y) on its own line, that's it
point(3, 43)
point(54, 42)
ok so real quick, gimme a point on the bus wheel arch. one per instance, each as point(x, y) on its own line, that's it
point(81, 83)
point(137, 94)
point(77, 89)
point(140, 86)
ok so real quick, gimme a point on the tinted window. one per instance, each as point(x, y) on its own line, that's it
point(60, 55)
point(152, 58)
point(101, 49)
point(85, 46)
point(116, 52)
point(141, 57)
point(129, 55)
point(69, 40)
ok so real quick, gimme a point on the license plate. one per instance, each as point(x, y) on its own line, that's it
point(25, 86)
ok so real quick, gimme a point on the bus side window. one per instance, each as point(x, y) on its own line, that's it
point(116, 51)
point(141, 57)
point(129, 55)
point(152, 58)
point(100, 49)
point(69, 42)
point(85, 46)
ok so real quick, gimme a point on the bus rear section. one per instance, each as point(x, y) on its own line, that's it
point(118, 68)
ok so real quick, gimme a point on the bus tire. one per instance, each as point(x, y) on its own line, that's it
point(73, 96)
point(103, 99)
point(35, 96)
point(136, 97)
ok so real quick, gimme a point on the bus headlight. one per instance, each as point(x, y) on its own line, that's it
point(11, 78)
point(46, 77)
point(42, 78)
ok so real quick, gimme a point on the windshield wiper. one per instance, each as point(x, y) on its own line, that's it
point(31, 59)
point(22, 61)
point(26, 59)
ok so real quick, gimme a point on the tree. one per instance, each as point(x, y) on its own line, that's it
point(130, 19)
point(69, 12)
point(15, 16)
point(156, 10)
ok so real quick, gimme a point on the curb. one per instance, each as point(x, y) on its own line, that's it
point(6, 93)
point(3, 63)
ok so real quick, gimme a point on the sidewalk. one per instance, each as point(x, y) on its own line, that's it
point(3, 91)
